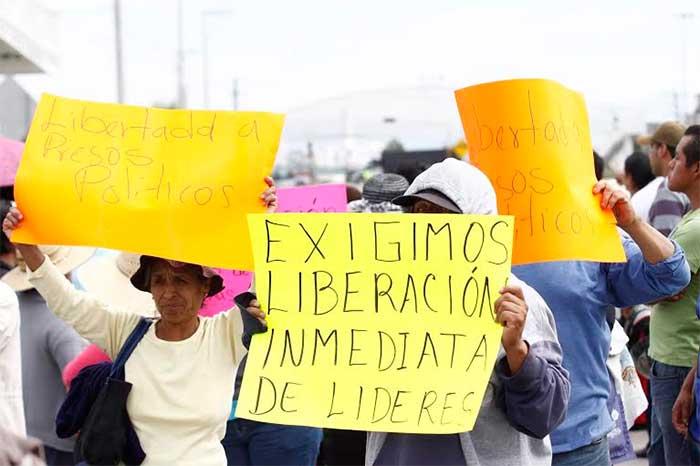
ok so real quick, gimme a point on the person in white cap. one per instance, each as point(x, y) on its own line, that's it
point(528, 378)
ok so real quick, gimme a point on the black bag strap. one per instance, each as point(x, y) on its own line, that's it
point(129, 345)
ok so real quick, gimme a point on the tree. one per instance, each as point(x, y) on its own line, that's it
point(393, 146)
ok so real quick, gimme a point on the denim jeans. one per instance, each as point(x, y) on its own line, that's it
point(251, 443)
point(56, 457)
point(694, 451)
point(343, 447)
point(667, 447)
point(595, 454)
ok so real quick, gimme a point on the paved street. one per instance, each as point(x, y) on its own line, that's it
point(639, 439)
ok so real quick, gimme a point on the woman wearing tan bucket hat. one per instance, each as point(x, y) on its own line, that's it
point(108, 276)
point(183, 369)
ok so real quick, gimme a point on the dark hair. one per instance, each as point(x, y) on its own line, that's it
point(692, 149)
point(637, 166)
point(352, 193)
point(599, 165)
point(7, 192)
point(5, 245)
point(671, 149)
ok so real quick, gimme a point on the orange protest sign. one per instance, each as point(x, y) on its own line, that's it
point(531, 138)
point(170, 183)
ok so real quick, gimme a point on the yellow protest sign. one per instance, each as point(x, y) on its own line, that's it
point(170, 183)
point(531, 138)
point(381, 322)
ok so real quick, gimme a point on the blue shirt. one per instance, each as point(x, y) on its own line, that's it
point(579, 294)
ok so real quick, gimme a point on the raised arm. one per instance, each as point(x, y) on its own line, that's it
point(30, 253)
point(654, 246)
point(90, 317)
point(536, 386)
point(656, 266)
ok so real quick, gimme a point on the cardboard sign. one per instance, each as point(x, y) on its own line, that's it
point(314, 198)
point(10, 154)
point(381, 322)
point(531, 138)
point(235, 283)
point(170, 183)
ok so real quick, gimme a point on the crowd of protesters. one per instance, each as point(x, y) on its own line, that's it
point(580, 340)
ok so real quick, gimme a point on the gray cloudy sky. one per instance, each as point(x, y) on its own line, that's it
point(324, 61)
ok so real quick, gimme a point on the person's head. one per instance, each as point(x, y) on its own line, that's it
point(450, 186)
point(352, 193)
point(662, 146)
point(384, 187)
point(684, 172)
point(637, 172)
point(598, 165)
point(178, 288)
point(378, 192)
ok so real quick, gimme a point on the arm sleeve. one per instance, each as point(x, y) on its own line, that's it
point(235, 332)
point(637, 281)
point(9, 315)
point(93, 319)
point(91, 354)
point(535, 399)
point(251, 325)
point(666, 213)
point(64, 344)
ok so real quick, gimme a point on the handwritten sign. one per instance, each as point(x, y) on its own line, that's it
point(10, 154)
point(381, 322)
point(235, 283)
point(315, 198)
point(531, 138)
point(169, 183)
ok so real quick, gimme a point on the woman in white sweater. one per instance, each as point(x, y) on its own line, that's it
point(183, 369)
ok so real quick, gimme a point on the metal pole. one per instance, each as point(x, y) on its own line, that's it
point(205, 52)
point(181, 93)
point(235, 93)
point(684, 18)
point(118, 50)
point(205, 61)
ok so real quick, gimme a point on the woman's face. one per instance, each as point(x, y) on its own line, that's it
point(177, 291)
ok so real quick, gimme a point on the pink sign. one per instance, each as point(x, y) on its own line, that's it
point(235, 283)
point(10, 153)
point(317, 198)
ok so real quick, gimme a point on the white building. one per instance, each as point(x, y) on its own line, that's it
point(27, 36)
point(27, 32)
point(16, 110)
